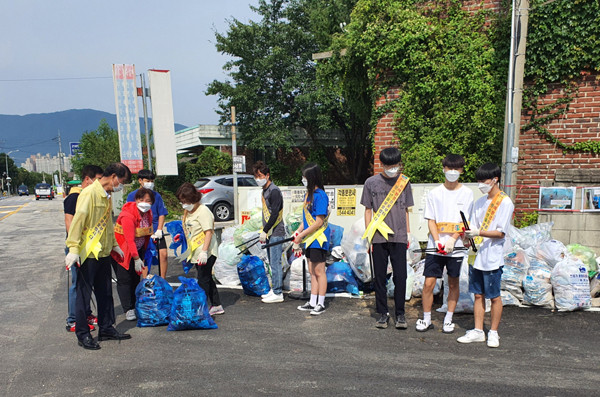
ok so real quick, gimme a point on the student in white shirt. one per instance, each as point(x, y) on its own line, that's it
point(442, 212)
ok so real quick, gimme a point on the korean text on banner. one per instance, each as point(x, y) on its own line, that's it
point(163, 123)
point(128, 122)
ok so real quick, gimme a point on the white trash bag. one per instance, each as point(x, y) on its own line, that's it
point(226, 264)
point(417, 290)
point(355, 250)
point(465, 298)
point(571, 285)
point(552, 252)
point(537, 286)
point(410, 277)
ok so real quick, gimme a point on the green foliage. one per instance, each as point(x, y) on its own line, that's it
point(210, 162)
point(563, 44)
point(449, 76)
point(99, 147)
point(526, 219)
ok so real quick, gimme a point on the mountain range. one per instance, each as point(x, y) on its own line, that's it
point(34, 133)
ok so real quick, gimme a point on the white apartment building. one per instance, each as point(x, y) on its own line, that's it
point(47, 164)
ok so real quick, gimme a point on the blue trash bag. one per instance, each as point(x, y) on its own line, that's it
point(335, 237)
point(253, 276)
point(154, 297)
point(189, 309)
point(186, 266)
point(151, 255)
point(174, 228)
point(340, 278)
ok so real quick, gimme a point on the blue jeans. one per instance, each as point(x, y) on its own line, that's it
point(274, 255)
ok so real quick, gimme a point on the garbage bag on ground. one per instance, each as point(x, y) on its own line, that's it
point(296, 282)
point(417, 289)
point(355, 250)
point(253, 276)
point(413, 257)
point(465, 298)
point(410, 280)
point(514, 271)
point(586, 255)
point(225, 269)
point(153, 301)
point(255, 247)
point(530, 236)
point(340, 278)
point(571, 285)
point(189, 309)
point(254, 224)
point(552, 252)
point(335, 236)
point(509, 299)
point(537, 286)
point(227, 234)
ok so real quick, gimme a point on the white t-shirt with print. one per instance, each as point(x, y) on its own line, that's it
point(491, 253)
point(444, 205)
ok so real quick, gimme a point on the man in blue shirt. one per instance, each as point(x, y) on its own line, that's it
point(159, 211)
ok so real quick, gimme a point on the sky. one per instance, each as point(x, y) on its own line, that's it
point(73, 39)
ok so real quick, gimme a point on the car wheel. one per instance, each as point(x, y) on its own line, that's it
point(37, 198)
point(222, 212)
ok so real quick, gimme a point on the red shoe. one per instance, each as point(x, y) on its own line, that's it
point(71, 327)
point(92, 320)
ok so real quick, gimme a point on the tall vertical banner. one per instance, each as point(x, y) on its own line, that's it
point(163, 123)
point(128, 121)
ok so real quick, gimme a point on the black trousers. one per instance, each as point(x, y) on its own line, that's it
point(206, 281)
point(94, 273)
point(127, 282)
point(396, 252)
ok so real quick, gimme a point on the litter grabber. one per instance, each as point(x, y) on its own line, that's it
point(304, 294)
point(434, 250)
point(248, 241)
point(464, 219)
point(278, 242)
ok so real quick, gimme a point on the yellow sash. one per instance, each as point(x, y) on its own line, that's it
point(91, 243)
point(490, 213)
point(318, 234)
point(193, 242)
point(267, 215)
point(449, 227)
point(75, 189)
point(377, 223)
point(139, 231)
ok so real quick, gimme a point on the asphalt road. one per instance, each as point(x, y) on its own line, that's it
point(264, 349)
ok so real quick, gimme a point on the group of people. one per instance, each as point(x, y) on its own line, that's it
point(95, 245)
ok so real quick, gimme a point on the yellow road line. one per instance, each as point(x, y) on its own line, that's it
point(9, 206)
point(14, 212)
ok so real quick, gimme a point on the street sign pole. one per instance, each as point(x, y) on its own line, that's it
point(235, 181)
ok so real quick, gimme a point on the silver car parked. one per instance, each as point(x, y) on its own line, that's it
point(217, 193)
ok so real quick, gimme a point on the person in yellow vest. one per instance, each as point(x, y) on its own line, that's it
point(89, 174)
point(199, 224)
point(387, 197)
point(273, 228)
point(442, 211)
point(91, 240)
point(489, 221)
point(314, 233)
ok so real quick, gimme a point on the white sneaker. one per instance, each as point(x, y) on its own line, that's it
point(471, 336)
point(493, 339)
point(274, 298)
point(268, 294)
point(448, 328)
point(423, 326)
point(130, 315)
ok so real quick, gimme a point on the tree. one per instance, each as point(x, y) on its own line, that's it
point(99, 147)
point(12, 171)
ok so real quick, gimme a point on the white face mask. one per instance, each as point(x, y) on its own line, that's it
point(261, 182)
point(485, 188)
point(143, 207)
point(304, 182)
point(118, 188)
point(149, 185)
point(452, 175)
point(187, 207)
point(391, 172)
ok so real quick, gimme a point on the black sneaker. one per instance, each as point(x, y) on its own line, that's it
point(401, 322)
point(382, 322)
point(307, 307)
point(319, 309)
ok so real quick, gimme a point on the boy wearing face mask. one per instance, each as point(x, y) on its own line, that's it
point(387, 197)
point(442, 211)
point(273, 229)
point(159, 212)
point(489, 220)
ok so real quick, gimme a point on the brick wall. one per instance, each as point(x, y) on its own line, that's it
point(540, 160)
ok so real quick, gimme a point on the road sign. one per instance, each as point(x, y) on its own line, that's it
point(239, 163)
point(74, 148)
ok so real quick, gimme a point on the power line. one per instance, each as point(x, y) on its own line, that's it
point(56, 79)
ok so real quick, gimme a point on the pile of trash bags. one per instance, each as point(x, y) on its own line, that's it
point(154, 298)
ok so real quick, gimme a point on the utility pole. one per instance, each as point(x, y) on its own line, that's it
point(235, 181)
point(143, 82)
point(514, 94)
point(60, 160)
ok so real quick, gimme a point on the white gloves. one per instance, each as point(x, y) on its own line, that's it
point(158, 234)
point(71, 259)
point(449, 246)
point(263, 237)
point(139, 265)
point(117, 250)
point(472, 233)
point(203, 258)
point(297, 250)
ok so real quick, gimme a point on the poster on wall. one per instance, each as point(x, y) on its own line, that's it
point(590, 199)
point(557, 198)
point(346, 202)
point(331, 196)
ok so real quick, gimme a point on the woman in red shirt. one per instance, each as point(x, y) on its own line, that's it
point(132, 231)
